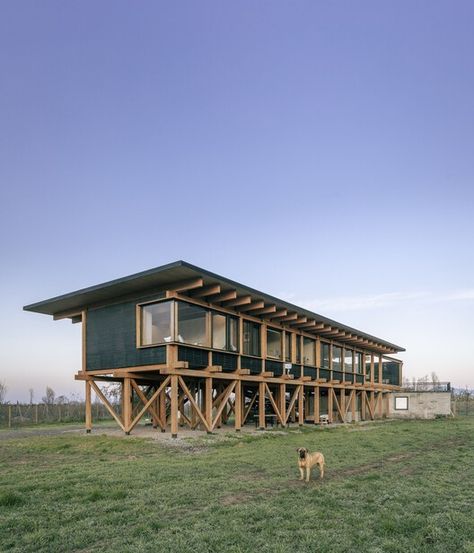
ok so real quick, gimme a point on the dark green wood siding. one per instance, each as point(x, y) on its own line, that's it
point(111, 339)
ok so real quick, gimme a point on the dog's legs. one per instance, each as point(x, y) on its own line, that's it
point(301, 474)
point(308, 473)
point(321, 470)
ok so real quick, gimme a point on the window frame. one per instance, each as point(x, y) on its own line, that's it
point(280, 333)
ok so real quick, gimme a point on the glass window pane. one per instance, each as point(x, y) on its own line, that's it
point(358, 363)
point(287, 346)
point(324, 355)
point(298, 349)
point(219, 331)
point(251, 338)
point(336, 358)
point(192, 327)
point(348, 360)
point(308, 351)
point(156, 323)
point(368, 359)
point(273, 343)
point(233, 339)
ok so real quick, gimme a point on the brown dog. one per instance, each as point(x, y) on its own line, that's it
point(307, 460)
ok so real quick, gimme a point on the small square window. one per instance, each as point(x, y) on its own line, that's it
point(401, 403)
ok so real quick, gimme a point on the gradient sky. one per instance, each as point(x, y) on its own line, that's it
point(322, 152)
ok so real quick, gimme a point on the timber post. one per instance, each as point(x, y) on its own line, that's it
point(88, 407)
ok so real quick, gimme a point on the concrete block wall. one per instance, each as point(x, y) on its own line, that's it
point(421, 405)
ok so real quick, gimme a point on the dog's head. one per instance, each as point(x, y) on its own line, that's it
point(302, 451)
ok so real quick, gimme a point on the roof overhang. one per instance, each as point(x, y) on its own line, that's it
point(203, 283)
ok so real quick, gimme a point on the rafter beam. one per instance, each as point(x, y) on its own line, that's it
point(185, 285)
point(265, 310)
point(278, 314)
point(298, 321)
point(241, 300)
point(224, 296)
point(290, 317)
point(251, 306)
point(209, 290)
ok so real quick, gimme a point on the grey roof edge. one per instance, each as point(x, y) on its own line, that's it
point(39, 307)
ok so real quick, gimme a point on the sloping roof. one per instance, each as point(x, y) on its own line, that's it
point(159, 277)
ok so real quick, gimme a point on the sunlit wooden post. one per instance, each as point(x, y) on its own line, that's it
point(88, 407)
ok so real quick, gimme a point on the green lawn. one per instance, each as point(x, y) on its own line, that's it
point(395, 487)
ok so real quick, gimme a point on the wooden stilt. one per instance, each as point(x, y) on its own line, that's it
point(283, 403)
point(88, 407)
point(261, 405)
point(174, 406)
point(316, 408)
point(353, 405)
point(127, 404)
point(208, 403)
point(238, 405)
point(301, 405)
point(342, 403)
point(362, 405)
point(330, 405)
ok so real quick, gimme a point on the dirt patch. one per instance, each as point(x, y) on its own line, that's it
point(236, 498)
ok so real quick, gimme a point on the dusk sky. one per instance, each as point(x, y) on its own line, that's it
point(322, 152)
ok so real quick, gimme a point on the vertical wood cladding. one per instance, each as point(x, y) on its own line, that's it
point(111, 339)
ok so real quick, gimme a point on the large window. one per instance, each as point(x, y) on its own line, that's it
point(274, 343)
point(336, 358)
point(287, 347)
point(225, 332)
point(251, 338)
point(368, 365)
point(348, 360)
point(156, 323)
point(308, 351)
point(298, 349)
point(325, 355)
point(192, 325)
point(376, 367)
point(358, 363)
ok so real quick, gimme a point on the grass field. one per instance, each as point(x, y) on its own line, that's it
point(395, 487)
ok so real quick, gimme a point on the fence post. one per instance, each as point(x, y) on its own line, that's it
point(36, 413)
point(9, 416)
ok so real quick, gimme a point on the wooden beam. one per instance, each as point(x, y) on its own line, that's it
point(150, 401)
point(301, 405)
point(238, 406)
point(224, 296)
point(127, 404)
point(298, 321)
point(105, 401)
point(293, 399)
point(241, 300)
point(261, 405)
point(144, 400)
point(229, 390)
point(265, 310)
point(277, 314)
point(174, 406)
point(274, 405)
point(251, 306)
point(195, 406)
point(290, 317)
point(210, 290)
point(88, 407)
point(309, 324)
point(185, 285)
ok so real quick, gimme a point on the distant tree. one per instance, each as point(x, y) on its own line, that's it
point(48, 399)
point(32, 393)
point(3, 391)
point(434, 378)
point(61, 400)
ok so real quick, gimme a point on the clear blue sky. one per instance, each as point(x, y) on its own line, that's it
point(320, 151)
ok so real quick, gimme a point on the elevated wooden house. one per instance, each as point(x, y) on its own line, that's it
point(189, 347)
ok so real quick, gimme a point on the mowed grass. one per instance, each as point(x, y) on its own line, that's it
point(389, 487)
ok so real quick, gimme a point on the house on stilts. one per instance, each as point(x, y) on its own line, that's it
point(191, 348)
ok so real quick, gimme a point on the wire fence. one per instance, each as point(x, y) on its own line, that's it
point(21, 414)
